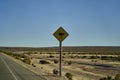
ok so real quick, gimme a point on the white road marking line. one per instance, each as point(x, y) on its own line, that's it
point(9, 69)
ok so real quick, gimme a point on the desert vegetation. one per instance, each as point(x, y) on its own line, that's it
point(117, 77)
point(44, 62)
point(69, 76)
point(55, 71)
point(78, 63)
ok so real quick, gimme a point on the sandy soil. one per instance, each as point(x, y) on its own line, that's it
point(81, 69)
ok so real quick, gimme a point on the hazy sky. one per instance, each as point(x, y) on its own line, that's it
point(31, 23)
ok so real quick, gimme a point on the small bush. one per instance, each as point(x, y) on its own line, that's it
point(51, 56)
point(27, 60)
point(55, 61)
point(41, 67)
point(117, 77)
point(16, 57)
point(104, 58)
point(93, 57)
point(69, 62)
point(44, 62)
point(33, 65)
point(55, 71)
point(69, 76)
point(118, 58)
point(106, 78)
point(63, 56)
point(84, 57)
point(35, 52)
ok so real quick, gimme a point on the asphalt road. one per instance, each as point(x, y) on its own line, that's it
point(10, 70)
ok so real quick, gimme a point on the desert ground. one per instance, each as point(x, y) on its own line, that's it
point(83, 63)
point(82, 67)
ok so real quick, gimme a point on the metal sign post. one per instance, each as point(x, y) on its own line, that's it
point(60, 35)
point(60, 59)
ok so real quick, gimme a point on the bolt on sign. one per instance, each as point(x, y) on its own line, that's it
point(60, 34)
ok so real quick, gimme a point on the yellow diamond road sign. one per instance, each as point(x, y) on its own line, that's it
point(60, 34)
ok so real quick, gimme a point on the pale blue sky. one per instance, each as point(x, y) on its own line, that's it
point(31, 23)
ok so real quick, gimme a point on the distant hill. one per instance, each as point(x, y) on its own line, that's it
point(73, 49)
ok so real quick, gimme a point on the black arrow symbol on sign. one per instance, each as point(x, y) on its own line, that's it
point(61, 34)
